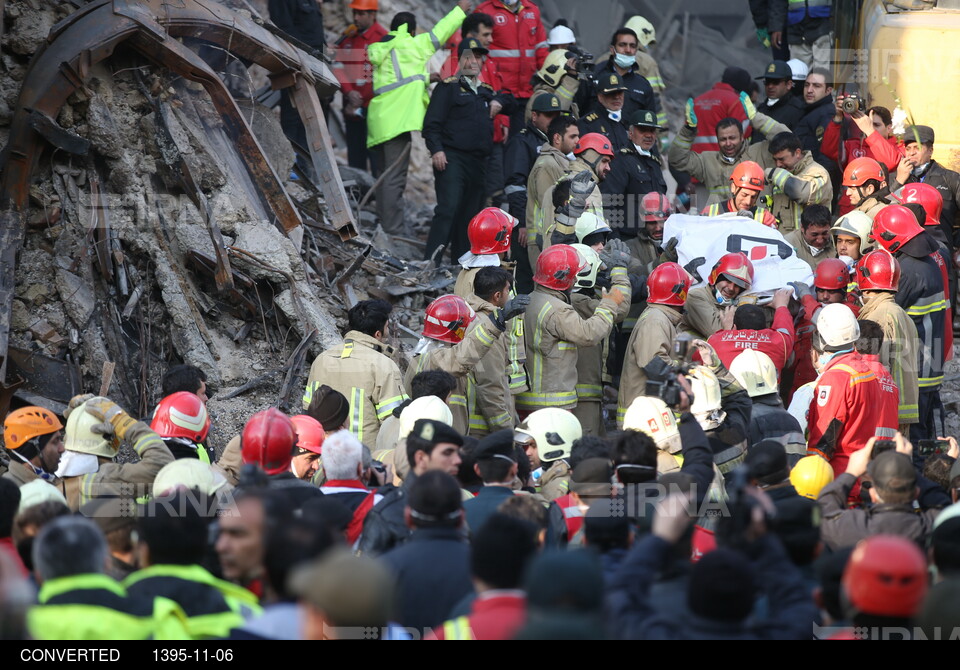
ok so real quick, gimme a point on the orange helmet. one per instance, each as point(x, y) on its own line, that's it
point(26, 423)
point(310, 434)
point(748, 175)
point(364, 5)
point(735, 267)
point(861, 170)
point(447, 319)
point(668, 285)
point(558, 267)
point(595, 141)
point(656, 206)
point(489, 231)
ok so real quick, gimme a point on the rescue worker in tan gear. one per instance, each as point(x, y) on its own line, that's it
point(95, 428)
point(553, 330)
point(710, 308)
point(746, 184)
point(865, 183)
point(812, 241)
point(714, 168)
point(851, 235)
point(33, 437)
point(591, 361)
point(563, 135)
point(655, 332)
point(490, 234)
point(455, 341)
point(547, 436)
point(797, 180)
point(362, 369)
point(558, 75)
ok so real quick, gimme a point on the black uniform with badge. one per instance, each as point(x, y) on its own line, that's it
point(600, 119)
point(632, 175)
point(639, 92)
point(787, 110)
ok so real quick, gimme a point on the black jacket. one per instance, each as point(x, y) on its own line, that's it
point(631, 177)
point(459, 118)
point(787, 110)
point(599, 121)
point(385, 528)
point(947, 182)
point(302, 19)
point(769, 420)
point(810, 129)
point(639, 93)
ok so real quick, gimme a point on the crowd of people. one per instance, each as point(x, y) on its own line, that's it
point(589, 440)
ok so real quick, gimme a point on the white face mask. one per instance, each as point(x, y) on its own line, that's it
point(570, 155)
point(721, 300)
point(510, 3)
point(615, 116)
point(624, 61)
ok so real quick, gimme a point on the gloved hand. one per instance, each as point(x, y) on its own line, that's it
point(670, 251)
point(514, 307)
point(581, 186)
point(691, 117)
point(614, 294)
point(615, 257)
point(111, 414)
point(764, 36)
point(748, 106)
point(75, 402)
point(801, 289)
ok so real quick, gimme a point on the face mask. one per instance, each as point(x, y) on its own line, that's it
point(722, 300)
point(570, 155)
point(772, 101)
point(920, 169)
point(824, 359)
point(614, 116)
point(624, 61)
point(510, 3)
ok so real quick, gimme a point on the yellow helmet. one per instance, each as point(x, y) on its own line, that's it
point(554, 67)
point(554, 430)
point(651, 415)
point(810, 475)
point(188, 473)
point(645, 31)
point(587, 277)
point(706, 397)
point(755, 371)
point(425, 407)
point(81, 439)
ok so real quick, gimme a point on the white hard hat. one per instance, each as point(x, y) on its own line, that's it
point(425, 407)
point(645, 31)
point(706, 397)
point(554, 430)
point(755, 372)
point(855, 224)
point(188, 473)
point(79, 438)
point(588, 224)
point(561, 35)
point(837, 327)
point(587, 278)
point(39, 491)
point(651, 415)
point(798, 68)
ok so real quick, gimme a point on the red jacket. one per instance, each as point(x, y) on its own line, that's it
point(712, 107)
point(352, 66)
point(495, 615)
point(847, 409)
point(776, 342)
point(519, 44)
point(890, 394)
point(572, 514)
point(887, 152)
point(941, 262)
point(803, 370)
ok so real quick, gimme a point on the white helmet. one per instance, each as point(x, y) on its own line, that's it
point(799, 69)
point(39, 491)
point(706, 397)
point(837, 328)
point(587, 278)
point(188, 473)
point(588, 224)
point(650, 415)
point(79, 438)
point(425, 407)
point(855, 224)
point(645, 31)
point(755, 372)
point(554, 430)
point(561, 35)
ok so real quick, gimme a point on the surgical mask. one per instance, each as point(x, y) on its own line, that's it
point(824, 358)
point(721, 300)
point(624, 61)
point(772, 101)
point(614, 116)
point(570, 155)
point(509, 3)
point(641, 150)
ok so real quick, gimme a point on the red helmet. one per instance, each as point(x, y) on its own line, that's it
point(926, 196)
point(886, 576)
point(861, 170)
point(447, 319)
point(489, 231)
point(595, 141)
point(832, 274)
point(894, 226)
point(656, 206)
point(878, 271)
point(268, 441)
point(558, 267)
point(748, 175)
point(181, 414)
point(668, 285)
point(735, 267)
point(310, 434)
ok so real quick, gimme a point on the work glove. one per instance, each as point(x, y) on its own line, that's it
point(75, 402)
point(764, 36)
point(691, 117)
point(114, 419)
point(614, 294)
point(614, 257)
point(581, 186)
point(669, 253)
point(801, 289)
point(514, 307)
point(748, 105)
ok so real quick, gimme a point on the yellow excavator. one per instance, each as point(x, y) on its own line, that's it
point(911, 53)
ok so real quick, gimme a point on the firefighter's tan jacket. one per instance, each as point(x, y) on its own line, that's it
point(556, 481)
point(702, 312)
point(494, 408)
point(808, 183)
point(653, 336)
point(553, 331)
point(547, 223)
point(459, 360)
point(546, 171)
point(362, 370)
point(899, 350)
